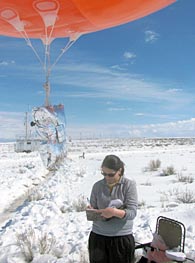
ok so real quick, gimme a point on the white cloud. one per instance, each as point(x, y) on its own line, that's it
point(102, 82)
point(184, 128)
point(145, 114)
point(129, 55)
point(118, 67)
point(139, 114)
point(151, 36)
point(3, 63)
point(6, 63)
point(95, 81)
point(11, 125)
point(109, 102)
point(174, 90)
point(118, 109)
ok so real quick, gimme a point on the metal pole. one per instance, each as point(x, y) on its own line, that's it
point(26, 124)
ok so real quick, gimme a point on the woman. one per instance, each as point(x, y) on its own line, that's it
point(111, 238)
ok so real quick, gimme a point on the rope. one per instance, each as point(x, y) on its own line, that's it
point(68, 45)
point(29, 43)
point(46, 63)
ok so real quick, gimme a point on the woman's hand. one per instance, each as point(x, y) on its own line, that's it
point(112, 211)
point(107, 212)
point(89, 207)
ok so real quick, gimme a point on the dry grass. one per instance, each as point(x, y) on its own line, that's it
point(31, 244)
point(170, 170)
point(80, 204)
point(187, 196)
point(185, 178)
point(154, 165)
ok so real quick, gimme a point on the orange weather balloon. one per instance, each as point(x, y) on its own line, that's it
point(68, 18)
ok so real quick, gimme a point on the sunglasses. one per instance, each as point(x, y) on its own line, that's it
point(109, 175)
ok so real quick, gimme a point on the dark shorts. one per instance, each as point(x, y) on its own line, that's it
point(117, 249)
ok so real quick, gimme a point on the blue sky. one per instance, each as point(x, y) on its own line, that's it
point(133, 80)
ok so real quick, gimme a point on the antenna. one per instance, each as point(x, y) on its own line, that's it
point(26, 126)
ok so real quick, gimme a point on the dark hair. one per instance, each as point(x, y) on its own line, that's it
point(113, 162)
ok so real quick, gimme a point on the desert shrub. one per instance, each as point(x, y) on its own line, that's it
point(184, 178)
point(35, 195)
point(81, 172)
point(46, 242)
point(22, 171)
point(186, 197)
point(30, 165)
point(154, 165)
point(170, 170)
point(84, 258)
point(165, 195)
point(26, 242)
point(173, 192)
point(164, 198)
point(64, 209)
point(30, 244)
point(147, 183)
point(80, 204)
point(141, 204)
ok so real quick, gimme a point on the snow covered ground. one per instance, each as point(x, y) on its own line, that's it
point(40, 221)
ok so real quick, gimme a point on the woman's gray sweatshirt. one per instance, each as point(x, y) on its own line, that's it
point(126, 191)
